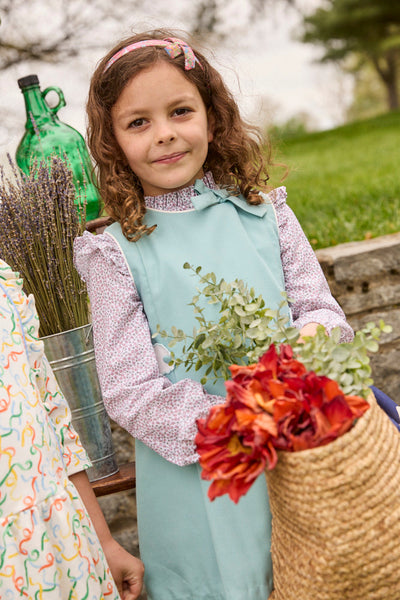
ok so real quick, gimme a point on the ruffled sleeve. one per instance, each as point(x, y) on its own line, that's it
point(305, 282)
point(55, 404)
point(25, 306)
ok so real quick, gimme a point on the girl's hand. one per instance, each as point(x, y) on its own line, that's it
point(127, 570)
point(308, 330)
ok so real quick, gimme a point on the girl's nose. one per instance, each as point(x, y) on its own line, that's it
point(165, 133)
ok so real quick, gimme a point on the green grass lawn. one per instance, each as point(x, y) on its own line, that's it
point(344, 184)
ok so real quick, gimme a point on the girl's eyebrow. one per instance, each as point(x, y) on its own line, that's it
point(182, 99)
point(131, 111)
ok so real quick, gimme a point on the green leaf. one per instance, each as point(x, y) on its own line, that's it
point(335, 334)
point(208, 342)
point(239, 311)
point(255, 323)
point(340, 353)
point(237, 342)
point(372, 346)
point(199, 340)
point(251, 308)
point(238, 299)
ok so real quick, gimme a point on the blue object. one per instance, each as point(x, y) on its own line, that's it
point(388, 405)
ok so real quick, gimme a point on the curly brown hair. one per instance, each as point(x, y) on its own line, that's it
point(235, 156)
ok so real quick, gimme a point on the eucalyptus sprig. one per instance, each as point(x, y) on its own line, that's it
point(244, 331)
point(347, 363)
point(246, 328)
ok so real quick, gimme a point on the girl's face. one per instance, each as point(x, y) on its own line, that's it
point(161, 125)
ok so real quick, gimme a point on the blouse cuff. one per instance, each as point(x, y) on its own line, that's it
point(329, 320)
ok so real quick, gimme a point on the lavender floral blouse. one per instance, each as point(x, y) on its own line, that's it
point(135, 390)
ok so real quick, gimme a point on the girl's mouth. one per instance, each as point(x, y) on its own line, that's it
point(170, 158)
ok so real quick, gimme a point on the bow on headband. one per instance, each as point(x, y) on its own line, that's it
point(173, 46)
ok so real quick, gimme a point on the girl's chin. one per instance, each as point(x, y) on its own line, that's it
point(168, 187)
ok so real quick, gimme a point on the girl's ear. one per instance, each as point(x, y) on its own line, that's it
point(211, 124)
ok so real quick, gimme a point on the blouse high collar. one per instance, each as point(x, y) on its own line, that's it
point(179, 200)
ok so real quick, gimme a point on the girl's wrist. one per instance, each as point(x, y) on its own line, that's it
point(309, 329)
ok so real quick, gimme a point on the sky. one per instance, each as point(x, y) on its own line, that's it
point(272, 76)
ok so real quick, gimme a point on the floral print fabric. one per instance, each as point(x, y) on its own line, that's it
point(48, 546)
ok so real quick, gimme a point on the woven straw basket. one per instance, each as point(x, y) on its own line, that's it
point(336, 516)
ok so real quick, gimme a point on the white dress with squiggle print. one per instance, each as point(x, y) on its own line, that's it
point(48, 546)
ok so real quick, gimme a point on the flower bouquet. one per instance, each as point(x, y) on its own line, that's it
point(302, 413)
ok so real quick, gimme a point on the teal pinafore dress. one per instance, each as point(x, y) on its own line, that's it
point(192, 548)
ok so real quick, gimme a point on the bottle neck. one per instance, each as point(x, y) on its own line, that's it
point(37, 111)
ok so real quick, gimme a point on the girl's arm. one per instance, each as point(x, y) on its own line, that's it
point(137, 396)
point(126, 570)
point(311, 300)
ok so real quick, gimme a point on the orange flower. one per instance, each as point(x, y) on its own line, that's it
point(234, 448)
point(274, 404)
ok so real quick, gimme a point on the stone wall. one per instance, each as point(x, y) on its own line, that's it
point(365, 279)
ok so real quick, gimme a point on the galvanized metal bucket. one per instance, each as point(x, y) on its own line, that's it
point(71, 356)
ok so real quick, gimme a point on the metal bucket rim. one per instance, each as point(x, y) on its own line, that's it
point(53, 335)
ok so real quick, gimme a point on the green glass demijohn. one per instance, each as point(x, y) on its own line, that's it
point(45, 135)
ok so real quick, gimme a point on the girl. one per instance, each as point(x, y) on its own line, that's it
point(48, 545)
point(183, 178)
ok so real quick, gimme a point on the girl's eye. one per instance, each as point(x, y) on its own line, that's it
point(137, 123)
point(182, 111)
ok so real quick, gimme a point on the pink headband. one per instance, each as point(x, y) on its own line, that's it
point(173, 46)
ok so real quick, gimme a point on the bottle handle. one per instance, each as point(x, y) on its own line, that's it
point(61, 100)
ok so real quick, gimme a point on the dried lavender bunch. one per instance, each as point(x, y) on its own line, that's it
point(39, 222)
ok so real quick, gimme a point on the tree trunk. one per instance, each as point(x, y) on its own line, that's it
point(388, 74)
point(392, 95)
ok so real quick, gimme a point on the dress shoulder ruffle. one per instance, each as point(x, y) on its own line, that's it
point(277, 196)
point(26, 308)
point(89, 245)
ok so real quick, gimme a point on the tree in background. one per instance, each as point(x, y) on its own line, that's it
point(369, 97)
point(363, 31)
point(53, 30)
point(211, 16)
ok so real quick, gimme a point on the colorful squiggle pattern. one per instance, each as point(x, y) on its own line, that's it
point(48, 546)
